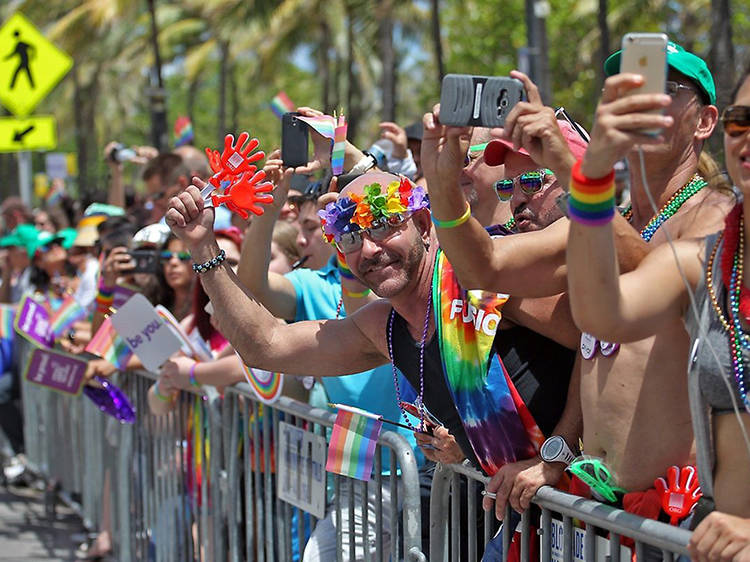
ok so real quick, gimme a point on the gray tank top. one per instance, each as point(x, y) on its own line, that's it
point(715, 345)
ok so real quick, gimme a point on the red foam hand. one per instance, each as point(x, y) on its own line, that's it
point(679, 492)
point(235, 159)
point(246, 194)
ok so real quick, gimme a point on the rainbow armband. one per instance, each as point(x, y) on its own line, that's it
point(591, 201)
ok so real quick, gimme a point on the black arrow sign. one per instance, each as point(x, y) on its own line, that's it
point(18, 137)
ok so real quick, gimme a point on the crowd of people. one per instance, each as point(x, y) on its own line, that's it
point(560, 309)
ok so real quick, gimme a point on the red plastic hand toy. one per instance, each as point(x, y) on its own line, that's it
point(245, 194)
point(214, 159)
point(679, 493)
point(235, 159)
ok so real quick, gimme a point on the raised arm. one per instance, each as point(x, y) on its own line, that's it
point(319, 348)
point(638, 304)
point(274, 291)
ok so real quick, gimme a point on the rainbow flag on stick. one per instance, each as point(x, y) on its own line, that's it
point(108, 345)
point(183, 131)
point(351, 450)
point(7, 314)
point(66, 315)
point(339, 145)
point(281, 104)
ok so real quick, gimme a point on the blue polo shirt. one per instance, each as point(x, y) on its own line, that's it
point(318, 294)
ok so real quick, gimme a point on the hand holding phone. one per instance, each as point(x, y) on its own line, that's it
point(478, 101)
point(146, 261)
point(646, 54)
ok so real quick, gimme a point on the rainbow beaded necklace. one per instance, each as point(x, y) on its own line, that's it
point(733, 249)
point(679, 198)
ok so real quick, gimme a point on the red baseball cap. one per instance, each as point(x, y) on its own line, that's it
point(497, 149)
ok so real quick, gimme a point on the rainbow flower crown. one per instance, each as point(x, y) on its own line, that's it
point(359, 211)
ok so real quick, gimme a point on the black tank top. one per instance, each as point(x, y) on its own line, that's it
point(539, 368)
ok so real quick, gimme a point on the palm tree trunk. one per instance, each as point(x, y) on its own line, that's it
point(437, 41)
point(234, 100)
point(387, 58)
point(721, 54)
point(324, 68)
point(352, 109)
point(603, 39)
point(192, 94)
point(158, 97)
point(221, 119)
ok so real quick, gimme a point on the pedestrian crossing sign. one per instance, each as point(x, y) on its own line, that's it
point(30, 65)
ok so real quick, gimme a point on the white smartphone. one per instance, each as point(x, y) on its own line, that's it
point(646, 54)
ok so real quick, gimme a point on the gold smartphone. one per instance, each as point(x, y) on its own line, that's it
point(646, 54)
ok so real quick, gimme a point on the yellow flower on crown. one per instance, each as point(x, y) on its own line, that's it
point(394, 204)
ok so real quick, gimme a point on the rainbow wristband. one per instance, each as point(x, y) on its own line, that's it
point(353, 295)
point(158, 394)
point(194, 382)
point(455, 222)
point(591, 201)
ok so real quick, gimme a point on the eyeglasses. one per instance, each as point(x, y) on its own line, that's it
point(736, 120)
point(182, 256)
point(672, 88)
point(380, 232)
point(530, 183)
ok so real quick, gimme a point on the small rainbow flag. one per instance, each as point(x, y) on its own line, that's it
point(7, 314)
point(339, 146)
point(108, 345)
point(66, 315)
point(351, 450)
point(183, 131)
point(281, 104)
point(324, 124)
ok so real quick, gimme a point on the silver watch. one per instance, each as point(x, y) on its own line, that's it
point(555, 449)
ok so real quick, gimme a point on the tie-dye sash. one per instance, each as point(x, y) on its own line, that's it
point(498, 424)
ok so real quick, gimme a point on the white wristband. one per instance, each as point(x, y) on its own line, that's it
point(366, 162)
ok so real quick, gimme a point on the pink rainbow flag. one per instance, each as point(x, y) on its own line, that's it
point(7, 315)
point(281, 104)
point(66, 315)
point(351, 450)
point(108, 345)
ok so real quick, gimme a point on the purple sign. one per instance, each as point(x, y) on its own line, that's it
point(56, 371)
point(32, 322)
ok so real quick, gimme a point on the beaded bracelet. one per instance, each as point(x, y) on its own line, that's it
point(158, 394)
point(344, 270)
point(455, 222)
point(193, 381)
point(105, 298)
point(354, 295)
point(591, 201)
point(210, 264)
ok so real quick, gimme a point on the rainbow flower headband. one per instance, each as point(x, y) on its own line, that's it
point(358, 211)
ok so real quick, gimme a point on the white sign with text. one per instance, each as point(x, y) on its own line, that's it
point(601, 545)
point(302, 474)
point(145, 332)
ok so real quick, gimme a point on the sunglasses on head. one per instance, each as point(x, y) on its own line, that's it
point(182, 256)
point(736, 120)
point(379, 232)
point(530, 183)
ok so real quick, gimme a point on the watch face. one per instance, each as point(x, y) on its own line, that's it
point(551, 448)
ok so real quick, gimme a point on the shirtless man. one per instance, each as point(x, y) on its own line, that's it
point(628, 419)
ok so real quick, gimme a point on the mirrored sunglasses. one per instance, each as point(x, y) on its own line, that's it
point(529, 182)
point(736, 120)
point(182, 256)
point(380, 232)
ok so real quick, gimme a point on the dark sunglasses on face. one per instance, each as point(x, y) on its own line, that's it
point(379, 232)
point(530, 182)
point(736, 120)
point(182, 256)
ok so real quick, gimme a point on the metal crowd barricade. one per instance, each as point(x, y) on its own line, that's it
point(200, 482)
point(560, 539)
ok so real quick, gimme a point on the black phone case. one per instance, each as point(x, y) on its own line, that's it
point(478, 101)
point(146, 261)
point(294, 139)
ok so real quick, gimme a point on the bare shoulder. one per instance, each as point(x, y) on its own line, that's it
point(705, 215)
point(685, 256)
point(372, 321)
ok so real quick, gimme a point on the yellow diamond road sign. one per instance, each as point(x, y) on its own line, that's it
point(33, 133)
point(30, 65)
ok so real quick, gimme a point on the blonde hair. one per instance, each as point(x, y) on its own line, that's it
point(712, 173)
point(285, 236)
